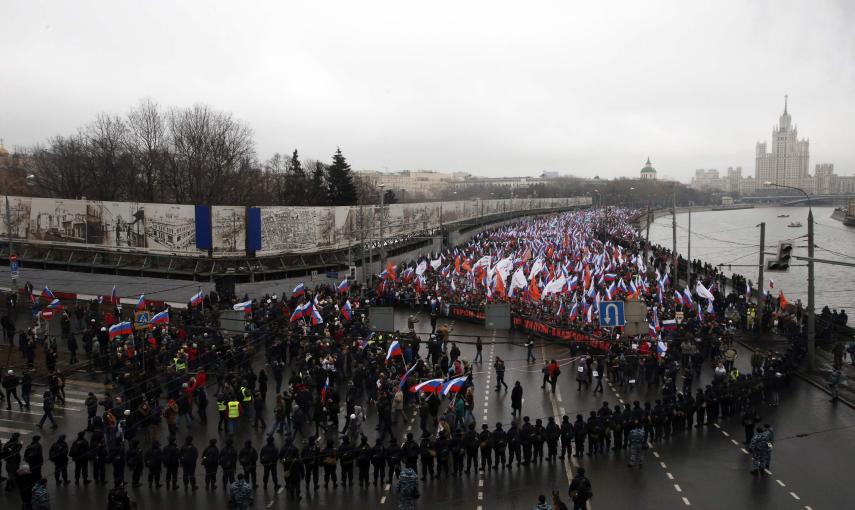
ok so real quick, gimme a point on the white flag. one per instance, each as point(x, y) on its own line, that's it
point(702, 291)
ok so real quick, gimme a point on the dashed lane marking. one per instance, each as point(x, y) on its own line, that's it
point(767, 472)
point(670, 476)
point(725, 433)
point(656, 454)
point(382, 500)
point(686, 501)
point(744, 451)
point(795, 496)
point(734, 441)
point(663, 465)
point(782, 484)
point(677, 488)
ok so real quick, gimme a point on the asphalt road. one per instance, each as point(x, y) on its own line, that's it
point(705, 468)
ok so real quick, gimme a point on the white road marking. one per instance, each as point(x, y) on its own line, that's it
point(656, 454)
point(744, 451)
point(663, 465)
point(716, 425)
point(686, 501)
point(795, 496)
point(734, 441)
point(677, 488)
point(767, 472)
point(382, 500)
point(725, 433)
point(670, 476)
point(480, 483)
point(782, 484)
point(480, 496)
point(388, 486)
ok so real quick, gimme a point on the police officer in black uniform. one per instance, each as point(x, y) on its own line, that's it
point(248, 458)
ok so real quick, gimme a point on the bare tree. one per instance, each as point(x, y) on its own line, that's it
point(209, 150)
point(148, 143)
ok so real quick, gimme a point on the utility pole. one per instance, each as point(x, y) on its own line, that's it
point(382, 221)
point(362, 227)
point(674, 271)
point(647, 235)
point(689, 251)
point(13, 261)
point(761, 299)
point(811, 325)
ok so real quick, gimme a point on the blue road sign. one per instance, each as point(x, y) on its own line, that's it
point(611, 314)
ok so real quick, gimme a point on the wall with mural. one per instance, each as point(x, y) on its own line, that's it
point(171, 229)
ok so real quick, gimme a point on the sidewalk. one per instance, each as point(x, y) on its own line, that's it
point(824, 365)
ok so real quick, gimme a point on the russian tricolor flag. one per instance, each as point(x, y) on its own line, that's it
point(429, 386)
point(114, 295)
point(120, 329)
point(325, 389)
point(298, 291)
point(297, 315)
point(316, 317)
point(140, 303)
point(47, 293)
point(454, 385)
point(246, 306)
point(394, 350)
point(160, 318)
point(407, 374)
point(669, 325)
point(54, 305)
point(678, 298)
point(197, 298)
point(347, 311)
point(344, 286)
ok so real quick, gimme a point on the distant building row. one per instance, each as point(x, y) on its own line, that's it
point(787, 164)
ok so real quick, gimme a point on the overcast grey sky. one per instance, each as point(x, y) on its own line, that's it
point(493, 88)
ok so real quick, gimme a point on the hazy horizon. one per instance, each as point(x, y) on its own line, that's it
point(489, 88)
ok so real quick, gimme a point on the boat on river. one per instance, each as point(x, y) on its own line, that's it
point(795, 224)
point(783, 215)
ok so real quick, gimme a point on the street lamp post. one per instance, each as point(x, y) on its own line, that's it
point(811, 325)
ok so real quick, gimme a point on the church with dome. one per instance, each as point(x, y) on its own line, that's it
point(648, 172)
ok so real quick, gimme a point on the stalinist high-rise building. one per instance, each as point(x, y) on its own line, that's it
point(787, 164)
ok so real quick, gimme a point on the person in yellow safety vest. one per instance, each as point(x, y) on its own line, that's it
point(233, 412)
point(221, 410)
point(180, 364)
point(247, 400)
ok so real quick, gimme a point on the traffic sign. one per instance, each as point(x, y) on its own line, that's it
point(142, 319)
point(611, 314)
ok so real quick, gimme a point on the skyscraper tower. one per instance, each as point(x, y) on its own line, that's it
point(787, 164)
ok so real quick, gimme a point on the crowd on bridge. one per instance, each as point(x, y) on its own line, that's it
point(326, 375)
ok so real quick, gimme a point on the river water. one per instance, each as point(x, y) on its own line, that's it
point(733, 237)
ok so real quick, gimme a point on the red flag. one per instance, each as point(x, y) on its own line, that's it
point(500, 285)
point(534, 290)
point(782, 301)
